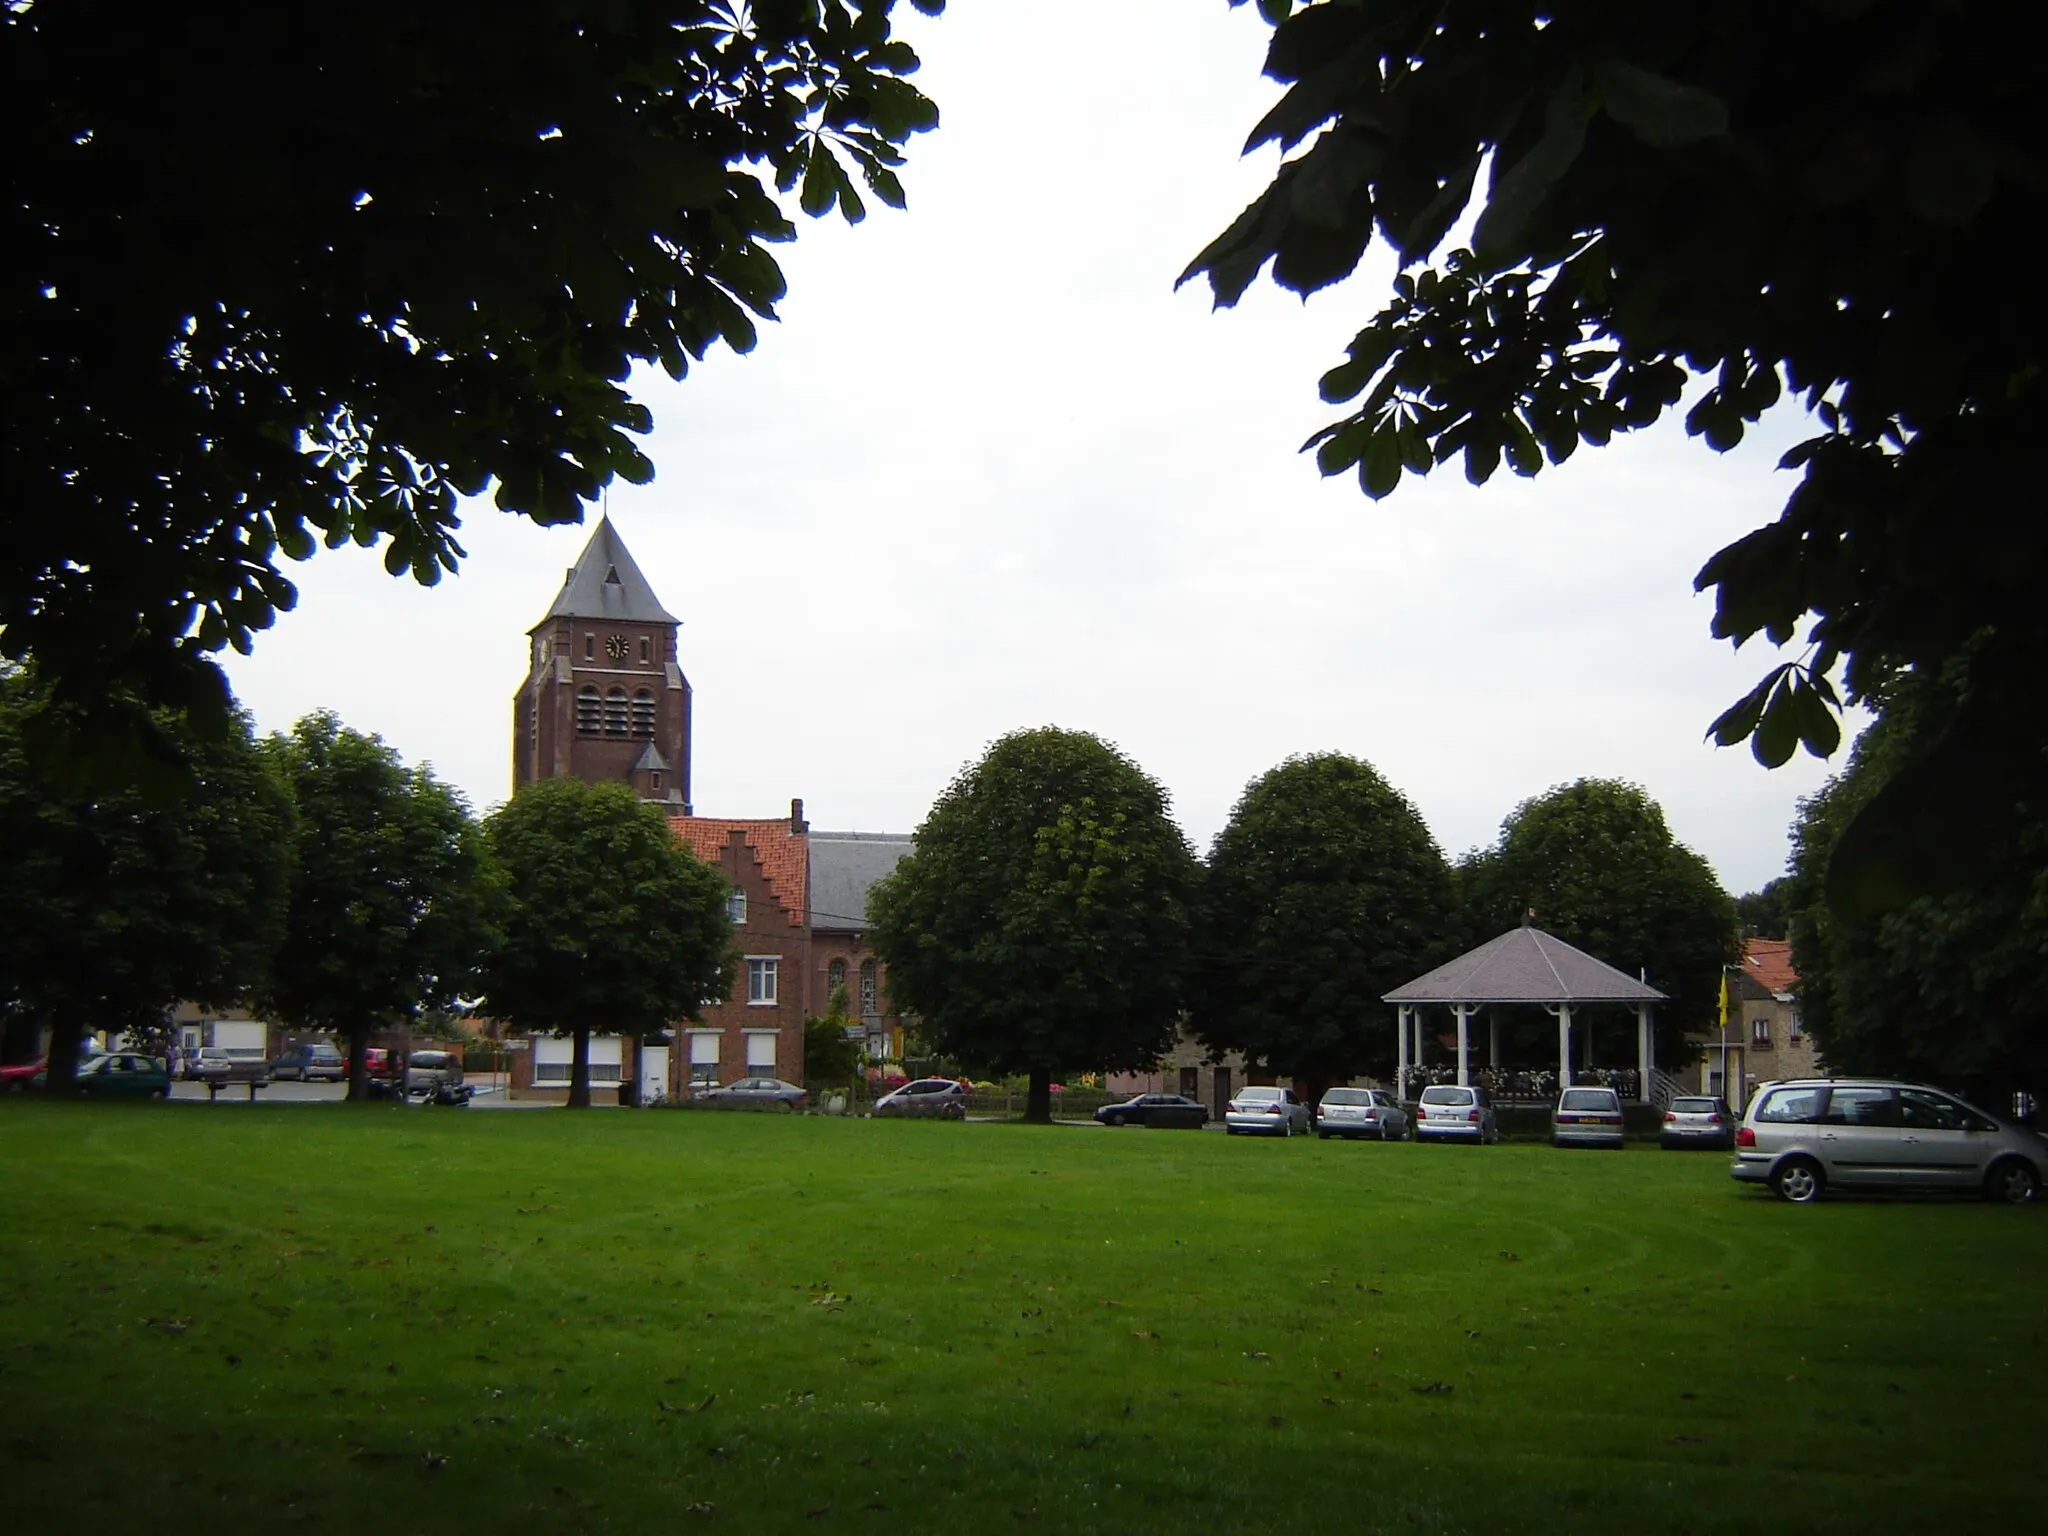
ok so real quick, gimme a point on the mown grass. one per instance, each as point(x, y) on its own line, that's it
point(290, 1316)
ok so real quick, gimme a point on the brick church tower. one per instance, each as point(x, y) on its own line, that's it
point(605, 700)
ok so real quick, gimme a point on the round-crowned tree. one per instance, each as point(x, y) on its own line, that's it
point(1324, 891)
point(1041, 926)
point(612, 924)
point(1596, 864)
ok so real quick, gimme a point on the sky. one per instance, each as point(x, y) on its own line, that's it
point(992, 471)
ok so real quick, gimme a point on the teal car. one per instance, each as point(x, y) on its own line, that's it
point(121, 1075)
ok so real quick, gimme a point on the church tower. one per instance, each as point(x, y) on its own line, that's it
point(604, 699)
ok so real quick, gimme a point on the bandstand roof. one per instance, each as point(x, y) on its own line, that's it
point(1525, 965)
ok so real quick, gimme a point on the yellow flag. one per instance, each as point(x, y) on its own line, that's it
point(1724, 997)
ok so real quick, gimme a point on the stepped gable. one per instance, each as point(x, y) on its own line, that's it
point(781, 853)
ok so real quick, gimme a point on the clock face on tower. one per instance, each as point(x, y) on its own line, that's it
point(615, 647)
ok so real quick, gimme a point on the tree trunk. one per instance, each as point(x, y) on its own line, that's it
point(1038, 1099)
point(1313, 1087)
point(579, 1072)
point(358, 1063)
point(61, 1074)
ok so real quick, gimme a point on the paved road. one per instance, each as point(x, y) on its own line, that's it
point(329, 1093)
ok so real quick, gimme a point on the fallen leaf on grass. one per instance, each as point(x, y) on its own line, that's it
point(1256, 1354)
point(1688, 1439)
point(701, 1507)
point(1145, 1333)
point(1434, 1388)
point(819, 1513)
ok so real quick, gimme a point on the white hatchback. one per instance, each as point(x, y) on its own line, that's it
point(1447, 1113)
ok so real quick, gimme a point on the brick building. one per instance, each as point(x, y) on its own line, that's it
point(606, 700)
point(1764, 1037)
point(758, 1031)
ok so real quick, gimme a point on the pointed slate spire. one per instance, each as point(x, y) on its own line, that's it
point(605, 583)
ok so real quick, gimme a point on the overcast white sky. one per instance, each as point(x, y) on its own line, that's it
point(991, 471)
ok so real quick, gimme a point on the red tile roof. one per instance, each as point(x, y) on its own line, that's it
point(1770, 962)
point(782, 855)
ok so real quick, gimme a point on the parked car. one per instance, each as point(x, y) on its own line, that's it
point(1807, 1136)
point(926, 1098)
point(121, 1075)
point(1698, 1122)
point(18, 1077)
point(1266, 1111)
point(1587, 1117)
point(1353, 1112)
point(435, 1077)
point(1447, 1113)
point(217, 1067)
point(755, 1093)
point(1160, 1110)
point(316, 1063)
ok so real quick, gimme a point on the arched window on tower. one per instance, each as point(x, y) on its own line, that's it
point(643, 714)
point(589, 713)
point(615, 712)
point(867, 989)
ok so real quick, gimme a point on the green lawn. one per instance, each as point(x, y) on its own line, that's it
point(224, 1317)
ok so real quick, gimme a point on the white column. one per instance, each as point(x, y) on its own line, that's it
point(1564, 1045)
point(1464, 1043)
point(1401, 1051)
point(1646, 1049)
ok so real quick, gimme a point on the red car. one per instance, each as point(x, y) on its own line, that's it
point(15, 1079)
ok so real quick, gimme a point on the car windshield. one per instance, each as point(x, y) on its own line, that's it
point(1257, 1095)
point(1447, 1095)
point(1588, 1098)
point(1348, 1096)
point(1693, 1106)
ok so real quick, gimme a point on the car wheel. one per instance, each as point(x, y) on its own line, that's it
point(1799, 1180)
point(784, 1107)
point(1116, 1122)
point(2012, 1181)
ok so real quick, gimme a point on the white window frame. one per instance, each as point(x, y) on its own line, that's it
point(736, 906)
point(755, 1039)
point(554, 1056)
point(705, 1048)
point(763, 980)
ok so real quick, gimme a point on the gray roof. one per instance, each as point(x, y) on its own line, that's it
point(1525, 965)
point(651, 761)
point(604, 583)
point(844, 866)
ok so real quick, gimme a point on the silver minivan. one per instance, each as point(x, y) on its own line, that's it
point(1803, 1137)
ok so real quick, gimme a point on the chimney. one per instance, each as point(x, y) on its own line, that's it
point(796, 818)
